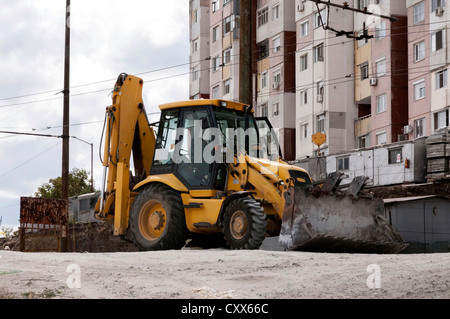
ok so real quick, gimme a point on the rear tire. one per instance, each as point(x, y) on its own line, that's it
point(157, 220)
point(244, 224)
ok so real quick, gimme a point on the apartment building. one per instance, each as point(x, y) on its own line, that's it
point(324, 84)
point(380, 75)
point(429, 97)
point(199, 57)
point(275, 68)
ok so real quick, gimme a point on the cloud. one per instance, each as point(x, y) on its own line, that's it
point(107, 37)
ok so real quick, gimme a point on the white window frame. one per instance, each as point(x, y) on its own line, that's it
point(317, 21)
point(321, 123)
point(215, 5)
point(263, 16)
point(419, 12)
point(441, 119)
point(419, 90)
point(419, 51)
point(216, 63)
point(304, 97)
point(381, 138)
point(227, 55)
point(319, 53)
point(216, 34)
point(227, 86)
point(275, 11)
point(276, 43)
point(381, 103)
point(441, 79)
point(215, 92)
point(304, 128)
point(419, 128)
point(304, 29)
point(304, 62)
point(380, 30)
point(378, 63)
point(434, 40)
point(264, 80)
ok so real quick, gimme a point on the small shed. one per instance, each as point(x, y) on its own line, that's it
point(423, 222)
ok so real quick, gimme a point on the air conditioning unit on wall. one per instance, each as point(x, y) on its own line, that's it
point(407, 129)
point(300, 7)
point(373, 81)
point(439, 11)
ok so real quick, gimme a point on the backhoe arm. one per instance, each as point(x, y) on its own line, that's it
point(127, 133)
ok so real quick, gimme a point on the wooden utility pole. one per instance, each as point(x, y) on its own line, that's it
point(66, 114)
point(245, 56)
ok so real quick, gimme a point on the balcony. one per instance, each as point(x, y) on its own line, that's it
point(363, 125)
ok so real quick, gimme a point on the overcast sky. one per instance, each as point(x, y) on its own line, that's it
point(108, 37)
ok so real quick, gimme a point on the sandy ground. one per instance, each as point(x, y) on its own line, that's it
point(220, 273)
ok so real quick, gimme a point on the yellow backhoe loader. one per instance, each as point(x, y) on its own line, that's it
point(212, 168)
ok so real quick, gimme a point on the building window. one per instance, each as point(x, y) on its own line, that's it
point(264, 80)
point(381, 103)
point(318, 53)
point(395, 155)
point(216, 63)
point(304, 97)
point(320, 18)
point(381, 138)
point(441, 79)
point(227, 56)
point(362, 4)
point(215, 34)
point(215, 92)
point(441, 119)
point(437, 4)
point(364, 40)
point(363, 141)
point(419, 12)
point(226, 86)
point(275, 12)
point(419, 90)
point(380, 30)
point(226, 25)
point(321, 123)
point(419, 51)
point(437, 40)
point(364, 69)
point(320, 88)
point(381, 67)
point(195, 73)
point(304, 62)
point(276, 108)
point(304, 131)
point(195, 46)
point(215, 5)
point(277, 78)
point(264, 110)
point(419, 128)
point(276, 44)
point(263, 16)
point(343, 163)
point(304, 29)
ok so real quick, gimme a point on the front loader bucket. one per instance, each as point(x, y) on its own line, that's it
point(324, 219)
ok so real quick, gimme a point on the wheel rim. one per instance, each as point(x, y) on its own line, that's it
point(238, 225)
point(152, 220)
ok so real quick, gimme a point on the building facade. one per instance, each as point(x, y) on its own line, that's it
point(429, 97)
point(386, 87)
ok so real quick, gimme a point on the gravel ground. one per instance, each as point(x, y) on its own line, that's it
point(223, 274)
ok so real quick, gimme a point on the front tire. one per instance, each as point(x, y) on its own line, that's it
point(244, 224)
point(157, 220)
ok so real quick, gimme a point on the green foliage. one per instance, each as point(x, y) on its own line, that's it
point(79, 184)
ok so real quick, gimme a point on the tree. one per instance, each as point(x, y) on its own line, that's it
point(79, 183)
